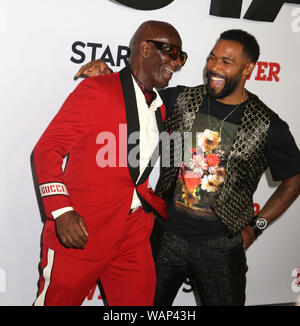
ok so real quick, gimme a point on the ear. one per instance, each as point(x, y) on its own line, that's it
point(145, 49)
point(249, 67)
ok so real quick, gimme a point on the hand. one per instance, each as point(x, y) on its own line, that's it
point(71, 230)
point(93, 68)
point(248, 236)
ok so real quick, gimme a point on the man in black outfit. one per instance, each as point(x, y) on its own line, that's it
point(233, 138)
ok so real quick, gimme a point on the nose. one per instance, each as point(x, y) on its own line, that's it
point(179, 62)
point(215, 65)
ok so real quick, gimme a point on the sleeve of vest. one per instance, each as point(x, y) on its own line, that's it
point(73, 121)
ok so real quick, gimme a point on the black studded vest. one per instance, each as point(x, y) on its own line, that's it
point(246, 160)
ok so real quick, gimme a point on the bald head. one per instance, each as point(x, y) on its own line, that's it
point(151, 64)
point(151, 30)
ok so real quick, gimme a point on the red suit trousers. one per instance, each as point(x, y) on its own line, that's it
point(127, 274)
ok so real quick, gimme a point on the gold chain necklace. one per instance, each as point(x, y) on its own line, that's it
point(222, 121)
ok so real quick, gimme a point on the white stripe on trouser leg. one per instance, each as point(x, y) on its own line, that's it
point(40, 301)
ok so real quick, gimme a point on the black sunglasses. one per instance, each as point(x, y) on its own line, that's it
point(172, 50)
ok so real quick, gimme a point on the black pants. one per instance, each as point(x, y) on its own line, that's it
point(217, 268)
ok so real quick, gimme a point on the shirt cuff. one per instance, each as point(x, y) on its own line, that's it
point(61, 211)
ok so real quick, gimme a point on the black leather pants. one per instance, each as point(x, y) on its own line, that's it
point(217, 268)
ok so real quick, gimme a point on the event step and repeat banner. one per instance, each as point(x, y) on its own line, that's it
point(44, 43)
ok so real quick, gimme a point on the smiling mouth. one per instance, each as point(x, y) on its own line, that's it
point(169, 72)
point(216, 81)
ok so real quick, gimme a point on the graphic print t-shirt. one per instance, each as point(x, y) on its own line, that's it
point(203, 169)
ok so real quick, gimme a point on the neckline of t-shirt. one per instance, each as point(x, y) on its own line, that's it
point(227, 106)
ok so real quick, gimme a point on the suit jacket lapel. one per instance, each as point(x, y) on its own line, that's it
point(133, 126)
point(132, 117)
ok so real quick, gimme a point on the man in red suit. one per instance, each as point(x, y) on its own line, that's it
point(99, 209)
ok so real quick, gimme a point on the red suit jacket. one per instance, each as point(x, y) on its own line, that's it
point(101, 195)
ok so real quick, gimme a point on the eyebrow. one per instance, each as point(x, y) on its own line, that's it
point(226, 58)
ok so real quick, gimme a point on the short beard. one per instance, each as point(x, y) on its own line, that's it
point(230, 85)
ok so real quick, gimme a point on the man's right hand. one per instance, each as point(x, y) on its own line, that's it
point(248, 236)
point(71, 230)
point(93, 68)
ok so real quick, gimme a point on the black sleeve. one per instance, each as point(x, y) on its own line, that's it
point(169, 97)
point(283, 154)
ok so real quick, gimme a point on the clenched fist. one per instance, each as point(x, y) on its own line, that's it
point(71, 230)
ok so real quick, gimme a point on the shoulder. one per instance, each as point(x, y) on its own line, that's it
point(166, 93)
point(175, 91)
point(170, 95)
point(255, 103)
point(100, 81)
point(98, 86)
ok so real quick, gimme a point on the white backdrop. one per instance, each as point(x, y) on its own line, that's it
point(37, 75)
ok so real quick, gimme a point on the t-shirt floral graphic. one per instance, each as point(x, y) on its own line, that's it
point(203, 170)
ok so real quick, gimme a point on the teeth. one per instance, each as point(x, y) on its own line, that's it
point(217, 78)
point(171, 71)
